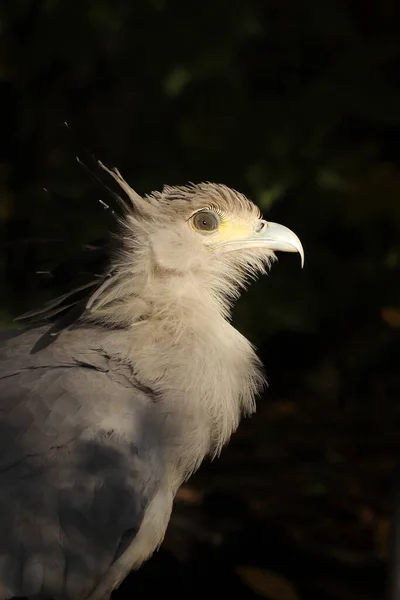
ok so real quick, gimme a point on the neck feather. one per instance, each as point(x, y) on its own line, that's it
point(183, 347)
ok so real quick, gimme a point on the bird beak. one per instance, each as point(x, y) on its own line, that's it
point(277, 237)
point(265, 235)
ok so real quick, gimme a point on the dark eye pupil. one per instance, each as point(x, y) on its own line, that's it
point(206, 221)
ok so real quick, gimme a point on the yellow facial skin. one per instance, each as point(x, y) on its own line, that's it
point(233, 229)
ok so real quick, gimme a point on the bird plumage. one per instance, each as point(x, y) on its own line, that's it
point(80, 461)
point(103, 418)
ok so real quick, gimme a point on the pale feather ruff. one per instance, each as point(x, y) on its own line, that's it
point(183, 345)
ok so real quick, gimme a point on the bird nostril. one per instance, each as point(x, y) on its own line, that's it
point(260, 226)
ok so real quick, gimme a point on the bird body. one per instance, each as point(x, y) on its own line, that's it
point(103, 419)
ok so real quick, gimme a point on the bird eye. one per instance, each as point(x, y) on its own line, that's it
point(206, 220)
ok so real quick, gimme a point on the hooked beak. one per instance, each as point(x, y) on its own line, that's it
point(266, 235)
point(277, 237)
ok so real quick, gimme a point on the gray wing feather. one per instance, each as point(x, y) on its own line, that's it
point(78, 462)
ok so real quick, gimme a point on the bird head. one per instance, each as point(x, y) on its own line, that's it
point(208, 235)
point(209, 224)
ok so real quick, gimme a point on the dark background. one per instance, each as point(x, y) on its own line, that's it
point(296, 104)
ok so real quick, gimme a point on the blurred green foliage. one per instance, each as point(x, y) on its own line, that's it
point(296, 104)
